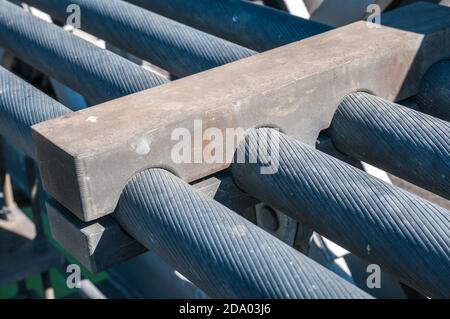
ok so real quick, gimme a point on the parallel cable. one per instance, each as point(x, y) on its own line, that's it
point(97, 74)
point(256, 27)
point(173, 46)
point(404, 234)
point(434, 92)
point(21, 106)
point(401, 141)
point(219, 251)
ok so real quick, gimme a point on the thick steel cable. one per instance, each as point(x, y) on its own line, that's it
point(22, 106)
point(404, 234)
point(219, 251)
point(404, 142)
point(97, 74)
point(175, 47)
point(434, 93)
point(214, 247)
point(256, 27)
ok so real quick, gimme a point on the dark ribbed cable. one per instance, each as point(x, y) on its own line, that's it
point(219, 251)
point(175, 47)
point(401, 141)
point(21, 106)
point(256, 27)
point(404, 234)
point(98, 74)
point(434, 93)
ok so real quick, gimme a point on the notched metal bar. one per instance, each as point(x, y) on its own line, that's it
point(97, 245)
point(86, 158)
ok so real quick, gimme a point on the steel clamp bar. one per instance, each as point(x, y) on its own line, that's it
point(278, 88)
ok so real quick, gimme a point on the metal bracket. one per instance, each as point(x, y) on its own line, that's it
point(102, 243)
point(97, 245)
point(86, 158)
